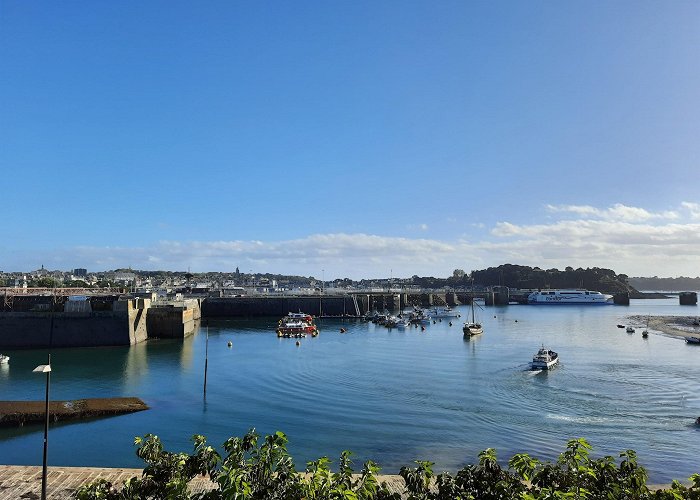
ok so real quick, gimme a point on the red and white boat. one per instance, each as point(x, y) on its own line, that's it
point(297, 325)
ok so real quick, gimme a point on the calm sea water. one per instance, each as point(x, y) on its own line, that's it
point(389, 395)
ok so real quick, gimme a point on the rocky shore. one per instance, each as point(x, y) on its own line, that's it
point(676, 326)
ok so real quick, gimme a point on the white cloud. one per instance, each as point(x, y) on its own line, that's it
point(692, 208)
point(616, 212)
point(629, 240)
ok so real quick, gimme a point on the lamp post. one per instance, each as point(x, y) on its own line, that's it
point(47, 370)
point(206, 361)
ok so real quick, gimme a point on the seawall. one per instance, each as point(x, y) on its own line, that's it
point(227, 307)
point(41, 322)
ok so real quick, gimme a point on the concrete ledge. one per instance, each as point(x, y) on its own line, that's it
point(24, 481)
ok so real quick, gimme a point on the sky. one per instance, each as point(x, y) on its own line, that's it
point(352, 138)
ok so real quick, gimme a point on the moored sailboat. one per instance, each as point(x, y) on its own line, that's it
point(472, 328)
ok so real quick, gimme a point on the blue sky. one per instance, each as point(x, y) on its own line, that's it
point(362, 138)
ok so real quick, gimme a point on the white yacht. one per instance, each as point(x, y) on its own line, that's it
point(444, 312)
point(569, 296)
point(545, 359)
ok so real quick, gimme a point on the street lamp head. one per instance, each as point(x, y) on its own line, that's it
point(42, 369)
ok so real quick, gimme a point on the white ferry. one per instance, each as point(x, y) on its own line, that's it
point(569, 296)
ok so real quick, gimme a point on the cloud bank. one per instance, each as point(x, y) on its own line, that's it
point(630, 240)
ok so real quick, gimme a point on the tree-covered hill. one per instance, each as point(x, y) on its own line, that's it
point(592, 278)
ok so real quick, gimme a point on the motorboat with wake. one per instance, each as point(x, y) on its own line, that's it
point(545, 359)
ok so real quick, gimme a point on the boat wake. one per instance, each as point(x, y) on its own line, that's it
point(580, 419)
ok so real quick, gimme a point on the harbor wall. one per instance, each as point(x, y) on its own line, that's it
point(688, 298)
point(94, 322)
point(40, 330)
point(226, 307)
point(170, 322)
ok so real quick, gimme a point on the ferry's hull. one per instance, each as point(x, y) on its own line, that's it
point(570, 302)
point(569, 296)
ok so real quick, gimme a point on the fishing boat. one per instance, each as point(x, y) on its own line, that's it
point(4, 359)
point(296, 325)
point(472, 328)
point(419, 317)
point(545, 359)
point(569, 296)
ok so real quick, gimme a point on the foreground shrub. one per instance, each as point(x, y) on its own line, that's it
point(252, 469)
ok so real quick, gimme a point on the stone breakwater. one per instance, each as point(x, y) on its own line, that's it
point(31, 412)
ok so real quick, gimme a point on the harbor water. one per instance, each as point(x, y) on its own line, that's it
point(393, 396)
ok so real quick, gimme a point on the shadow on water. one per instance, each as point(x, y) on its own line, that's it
point(9, 432)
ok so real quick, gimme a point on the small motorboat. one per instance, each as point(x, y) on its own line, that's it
point(645, 334)
point(545, 359)
point(692, 340)
point(4, 359)
point(620, 326)
point(630, 329)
